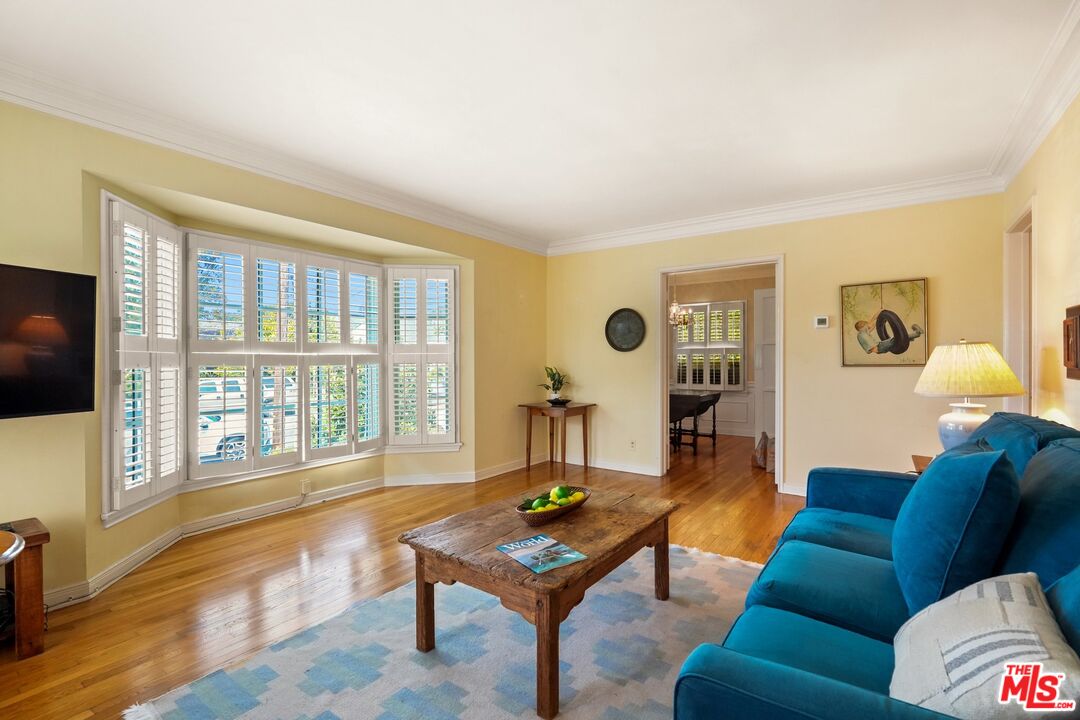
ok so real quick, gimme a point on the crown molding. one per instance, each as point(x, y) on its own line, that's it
point(889, 196)
point(37, 91)
point(1054, 87)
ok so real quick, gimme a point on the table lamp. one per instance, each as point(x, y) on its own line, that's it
point(967, 370)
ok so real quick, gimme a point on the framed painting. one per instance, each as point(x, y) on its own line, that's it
point(883, 323)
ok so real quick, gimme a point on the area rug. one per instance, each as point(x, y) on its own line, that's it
point(620, 654)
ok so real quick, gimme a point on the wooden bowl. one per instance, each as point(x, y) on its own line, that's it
point(540, 518)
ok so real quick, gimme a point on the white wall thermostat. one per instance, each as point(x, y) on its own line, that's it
point(821, 322)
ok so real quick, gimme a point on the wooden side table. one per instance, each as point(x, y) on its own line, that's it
point(554, 413)
point(24, 576)
point(921, 462)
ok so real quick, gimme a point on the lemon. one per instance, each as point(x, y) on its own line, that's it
point(551, 506)
point(563, 502)
point(578, 496)
point(559, 492)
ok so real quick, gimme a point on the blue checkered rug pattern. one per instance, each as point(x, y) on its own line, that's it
point(620, 653)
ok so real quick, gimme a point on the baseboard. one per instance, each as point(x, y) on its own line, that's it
point(511, 466)
point(254, 512)
point(79, 592)
point(430, 479)
point(792, 489)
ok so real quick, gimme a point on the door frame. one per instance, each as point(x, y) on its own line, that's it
point(1019, 311)
point(664, 351)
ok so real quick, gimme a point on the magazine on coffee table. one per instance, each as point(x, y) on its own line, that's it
point(541, 553)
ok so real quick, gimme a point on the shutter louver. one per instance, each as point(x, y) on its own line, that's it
point(169, 421)
point(323, 305)
point(328, 402)
point(437, 398)
point(167, 296)
point(133, 288)
point(405, 309)
point(363, 309)
point(368, 427)
point(405, 405)
point(222, 414)
point(219, 281)
point(279, 410)
point(437, 311)
point(135, 442)
point(275, 300)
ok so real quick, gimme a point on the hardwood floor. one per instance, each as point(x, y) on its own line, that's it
point(215, 598)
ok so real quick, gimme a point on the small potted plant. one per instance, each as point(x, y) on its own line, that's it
point(555, 383)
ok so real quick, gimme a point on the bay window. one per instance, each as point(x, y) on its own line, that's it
point(271, 359)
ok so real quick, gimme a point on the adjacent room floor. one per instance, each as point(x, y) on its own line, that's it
point(212, 599)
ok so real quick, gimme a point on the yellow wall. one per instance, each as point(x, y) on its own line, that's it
point(866, 417)
point(1052, 178)
point(50, 217)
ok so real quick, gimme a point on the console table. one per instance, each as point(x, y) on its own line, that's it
point(554, 413)
point(24, 577)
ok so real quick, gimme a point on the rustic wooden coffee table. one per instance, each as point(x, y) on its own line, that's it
point(610, 528)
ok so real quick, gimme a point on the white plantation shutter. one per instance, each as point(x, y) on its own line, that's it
point(324, 303)
point(222, 403)
point(329, 431)
point(364, 307)
point(278, 431)
point(217, 276)
point(368, 400)
point(275, 302)
point(146, 365)
point(708, 354)
point(422, 355)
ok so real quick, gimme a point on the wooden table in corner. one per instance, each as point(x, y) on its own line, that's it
point(553, 413)
point(610, 528)
point(24, 575)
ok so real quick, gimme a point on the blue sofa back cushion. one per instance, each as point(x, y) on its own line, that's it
point(1045, 537)
point(1064, 599)
point(953, 524)
point(1021, 436)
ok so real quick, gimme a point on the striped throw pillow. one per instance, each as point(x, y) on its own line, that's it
point(951, 656)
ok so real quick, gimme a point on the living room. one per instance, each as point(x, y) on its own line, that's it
point(376, 227)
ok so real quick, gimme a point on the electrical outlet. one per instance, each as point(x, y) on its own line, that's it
point(305, 487)
point(633, 444)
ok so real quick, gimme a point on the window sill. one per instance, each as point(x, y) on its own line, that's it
point(117, 516)
point(207, 483)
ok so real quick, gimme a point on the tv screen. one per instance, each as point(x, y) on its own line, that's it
point(46, 342)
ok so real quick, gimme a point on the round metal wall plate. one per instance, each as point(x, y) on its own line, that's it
point(625, 329)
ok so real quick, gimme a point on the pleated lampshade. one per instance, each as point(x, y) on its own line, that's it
point(968, 370)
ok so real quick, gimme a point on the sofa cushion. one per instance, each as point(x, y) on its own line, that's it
point(951, 656)
point(799, 642)
point(1064, 599)
point(1021, 436)
point(953, 524)
point(1045, 535)
point(846, 589)
point(865, 534)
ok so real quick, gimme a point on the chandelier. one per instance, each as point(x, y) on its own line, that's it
point(677, 316)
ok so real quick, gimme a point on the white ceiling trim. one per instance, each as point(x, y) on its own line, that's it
point(22, 86)
point(913, 193)
point(1053, 88)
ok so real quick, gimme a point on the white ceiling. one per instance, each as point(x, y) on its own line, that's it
point(570, 125)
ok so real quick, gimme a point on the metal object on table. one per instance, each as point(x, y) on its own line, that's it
point(683, 404)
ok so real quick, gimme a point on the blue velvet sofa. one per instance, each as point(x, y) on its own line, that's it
point(815, 640)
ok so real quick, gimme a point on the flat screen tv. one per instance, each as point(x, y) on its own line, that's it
point(46, 342)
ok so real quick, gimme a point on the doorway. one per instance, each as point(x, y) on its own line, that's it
point(730, 346)
point(1019, 309)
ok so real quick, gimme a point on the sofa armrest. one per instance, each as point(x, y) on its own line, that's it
point(719, 684)
point(870, 492)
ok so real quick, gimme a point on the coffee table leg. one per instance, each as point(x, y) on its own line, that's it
point(547, 657)
point(660, 553)
point(425, 609)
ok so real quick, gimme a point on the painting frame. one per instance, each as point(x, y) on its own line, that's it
point(908, 315)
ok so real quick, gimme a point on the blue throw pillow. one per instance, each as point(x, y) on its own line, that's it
point(953, 523)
